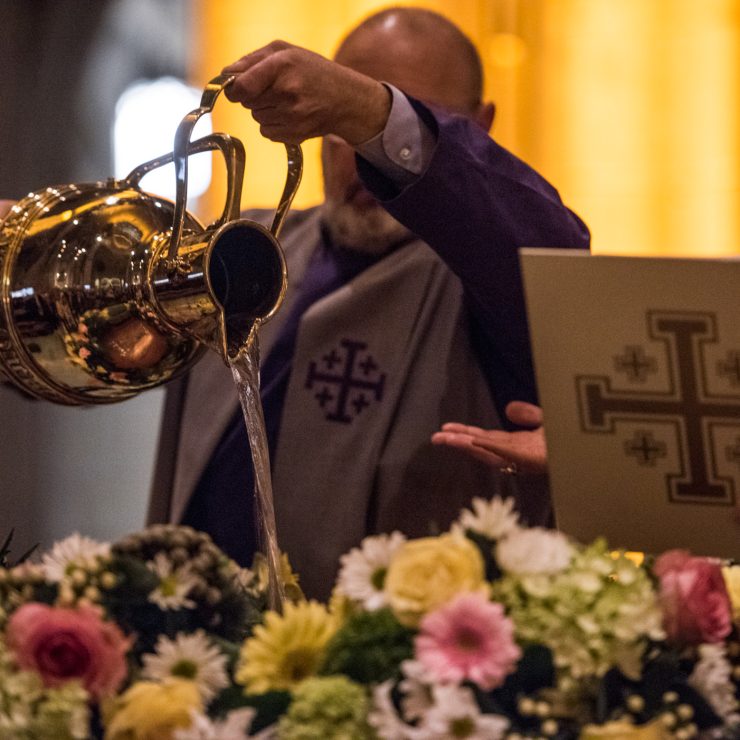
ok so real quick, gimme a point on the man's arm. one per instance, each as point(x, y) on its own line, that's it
point(476, 204)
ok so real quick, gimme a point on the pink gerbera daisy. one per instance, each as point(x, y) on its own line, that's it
point(469, 638)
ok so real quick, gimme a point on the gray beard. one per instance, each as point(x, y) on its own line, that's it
point(371, 231)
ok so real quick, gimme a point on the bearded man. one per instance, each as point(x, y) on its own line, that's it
point(404, 306)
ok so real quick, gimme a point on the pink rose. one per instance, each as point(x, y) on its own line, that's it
point(66, 644)
point(693, 595)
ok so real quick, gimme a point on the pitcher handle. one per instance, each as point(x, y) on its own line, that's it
point(231, 148)
point(292, 181)
point(231, 210)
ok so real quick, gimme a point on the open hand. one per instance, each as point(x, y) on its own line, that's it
point(499, 448)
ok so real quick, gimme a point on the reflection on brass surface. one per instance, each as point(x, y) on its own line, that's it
point(108, 290)
point(133, 345)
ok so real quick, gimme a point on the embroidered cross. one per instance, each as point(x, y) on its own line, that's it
point(687, 405)
point(644, 447)
point(733, 452)
point(730, 368)
point(635, 363)
point(351, 389)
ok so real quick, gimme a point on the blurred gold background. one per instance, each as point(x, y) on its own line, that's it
point(630, 107)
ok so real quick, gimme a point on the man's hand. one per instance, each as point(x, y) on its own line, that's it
point(498, 448)
point(5, 206)
point(295, 94)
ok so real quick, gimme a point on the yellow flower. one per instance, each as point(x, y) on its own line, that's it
point(428, 572)
point(287, 648)
point(622, 730)
point(287, 576)
point(732, 581)
point(341, 607)
point(151, 710)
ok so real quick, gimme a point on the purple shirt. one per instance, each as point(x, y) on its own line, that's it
point(476, 204)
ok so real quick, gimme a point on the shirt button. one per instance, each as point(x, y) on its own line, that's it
point(405, 153)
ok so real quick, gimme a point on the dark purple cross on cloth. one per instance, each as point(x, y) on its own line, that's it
point(223, 502)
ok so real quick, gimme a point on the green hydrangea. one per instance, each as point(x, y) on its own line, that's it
point(29, 711)
point(369, 647)
point(599, 612)
point(331, 707)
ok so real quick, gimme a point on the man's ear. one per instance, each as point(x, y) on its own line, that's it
point(484, 115)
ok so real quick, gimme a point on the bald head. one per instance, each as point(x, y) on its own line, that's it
point(419, 51)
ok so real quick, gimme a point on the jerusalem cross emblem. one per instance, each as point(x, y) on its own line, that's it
point(346, 381)
point(696, 414)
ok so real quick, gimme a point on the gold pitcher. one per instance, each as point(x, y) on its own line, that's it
point(107, 290)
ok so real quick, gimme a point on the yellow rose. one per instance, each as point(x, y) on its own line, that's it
point(732, 581)
point(428, 572)
point(153, 711)
point(622, 730)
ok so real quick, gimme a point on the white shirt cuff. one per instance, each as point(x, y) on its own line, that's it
point(404, 148)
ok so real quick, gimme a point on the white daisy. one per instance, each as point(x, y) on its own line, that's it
point(234, 726)
point(534, 551)
point(493, 519)
point(712, 678)
point(174, 584)
point(71, 553)
point(188, 656)
point(363, 569)
point(383, 717)
point(245, 578)
point(416, 690)
point(455, 714)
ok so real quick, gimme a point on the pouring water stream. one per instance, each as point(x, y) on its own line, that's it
point(245, 369)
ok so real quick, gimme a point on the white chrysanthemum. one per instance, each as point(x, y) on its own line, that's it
point(188, 656)
point(73, 552)
point(493, 519)
point(415, 689)
point(456, 714)
point(234, 726)
point(439, 711)
point(383, 717)
point(712, 678)
point(174, 584)
point(363, 569)
point(245, 578)
point(534, 551)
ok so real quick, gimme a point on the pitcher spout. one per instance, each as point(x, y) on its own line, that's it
point(220, 290)
point(247, 277)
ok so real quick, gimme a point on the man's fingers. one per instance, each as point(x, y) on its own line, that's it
point(238, 68)
point(466, 443)
point(490, 459)
point(524, 414)
point(253, 83)
point(526, 448)
point(249, 60)
point(457, 428)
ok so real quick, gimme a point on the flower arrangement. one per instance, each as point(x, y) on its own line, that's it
point(489, 630)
